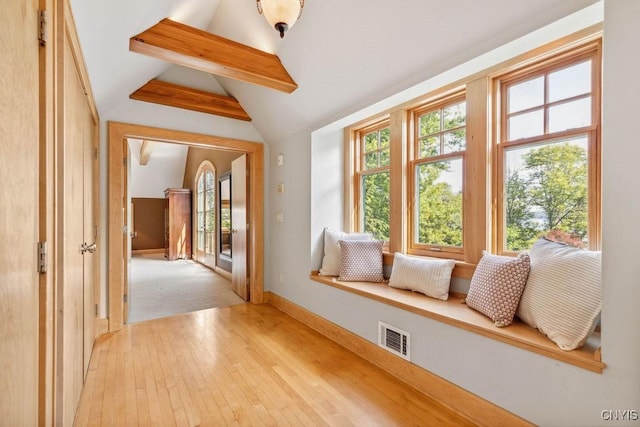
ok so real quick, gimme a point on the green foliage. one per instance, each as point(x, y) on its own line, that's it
point(375, 198)
point(439, 208)
point(521, 230)
point(553, 182)
point(441, 132)
point(376, 149)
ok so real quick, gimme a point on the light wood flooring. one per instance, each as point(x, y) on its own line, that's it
point(242, 365)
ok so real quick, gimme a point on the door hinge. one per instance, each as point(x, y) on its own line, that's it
point(125, 298)
point(96, 306)
point(95, 152)
point(42, 27)
point(124, 161)
point(42, 257)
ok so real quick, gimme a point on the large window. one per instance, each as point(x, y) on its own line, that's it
point(489, 163)
point(548, 150)
point(437, 176)
point(373, 180)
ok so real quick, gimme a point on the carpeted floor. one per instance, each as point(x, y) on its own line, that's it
point(160, 288)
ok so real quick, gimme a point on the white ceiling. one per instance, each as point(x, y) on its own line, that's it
point(165, 169)
point(344, 55)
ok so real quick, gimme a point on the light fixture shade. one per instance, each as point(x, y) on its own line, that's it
point(281, 14)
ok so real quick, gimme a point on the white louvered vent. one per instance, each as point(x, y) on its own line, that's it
point(394, 340)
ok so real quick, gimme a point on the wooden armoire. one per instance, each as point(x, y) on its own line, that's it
point(177, 223)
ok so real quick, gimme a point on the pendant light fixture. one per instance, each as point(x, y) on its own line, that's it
point(280, 14)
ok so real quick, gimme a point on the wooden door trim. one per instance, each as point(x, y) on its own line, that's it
point(117, 132)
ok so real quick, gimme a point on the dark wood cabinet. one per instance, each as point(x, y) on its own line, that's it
point(177, 223)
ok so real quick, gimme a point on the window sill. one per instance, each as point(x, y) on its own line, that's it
point(454, 313)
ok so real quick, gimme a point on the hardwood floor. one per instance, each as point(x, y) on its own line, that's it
point(242, 365)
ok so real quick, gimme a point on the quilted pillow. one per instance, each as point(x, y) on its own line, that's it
point(331, 260)
point(431, 277)
point(497, 285)
point(563, 296)
point(361, 261)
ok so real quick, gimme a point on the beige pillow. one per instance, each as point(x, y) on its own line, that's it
point(431, 277)
point(563, 296)
point(331, 260)
point(361, 261)
point(497, 285)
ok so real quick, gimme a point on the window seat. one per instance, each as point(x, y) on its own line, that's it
point(455, 313)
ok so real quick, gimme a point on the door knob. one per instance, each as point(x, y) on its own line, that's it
point(88, 248)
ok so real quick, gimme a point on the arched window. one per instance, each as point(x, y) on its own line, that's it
point(205, 203)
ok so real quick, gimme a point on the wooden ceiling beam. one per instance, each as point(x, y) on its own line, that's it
point(191, 47)
point(145, 151)
point(173, 95)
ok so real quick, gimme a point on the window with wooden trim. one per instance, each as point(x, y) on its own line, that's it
point(548, 149)
point(490, 163)
point(437, 176)
point(372, 179)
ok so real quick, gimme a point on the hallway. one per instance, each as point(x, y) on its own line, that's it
point(161, 288)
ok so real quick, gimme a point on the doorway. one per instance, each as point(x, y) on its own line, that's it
point(117, 215)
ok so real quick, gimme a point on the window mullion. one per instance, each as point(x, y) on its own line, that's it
point(398, 147)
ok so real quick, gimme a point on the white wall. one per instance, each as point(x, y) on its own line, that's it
point(164, 169)
point(621, 204)
point(540, 389)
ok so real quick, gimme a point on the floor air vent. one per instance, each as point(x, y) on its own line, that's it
point(394, 340)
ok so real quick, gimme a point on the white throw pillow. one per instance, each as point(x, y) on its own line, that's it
point(431, 277)
point(563, 294)
point(331, 260)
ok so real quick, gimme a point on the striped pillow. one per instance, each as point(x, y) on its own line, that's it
point(361, 261)
point(431, 277)
point(563, 295)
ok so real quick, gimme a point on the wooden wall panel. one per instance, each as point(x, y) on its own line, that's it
point(19, 231)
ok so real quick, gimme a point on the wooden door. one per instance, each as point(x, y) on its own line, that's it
point(19, 166)
point(76, 280)
point(239, 208)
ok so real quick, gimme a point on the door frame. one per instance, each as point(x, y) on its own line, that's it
point(117, 133)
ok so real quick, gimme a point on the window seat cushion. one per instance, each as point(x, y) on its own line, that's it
point(455, 313)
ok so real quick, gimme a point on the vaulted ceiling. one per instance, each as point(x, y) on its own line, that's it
point(344, 55)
